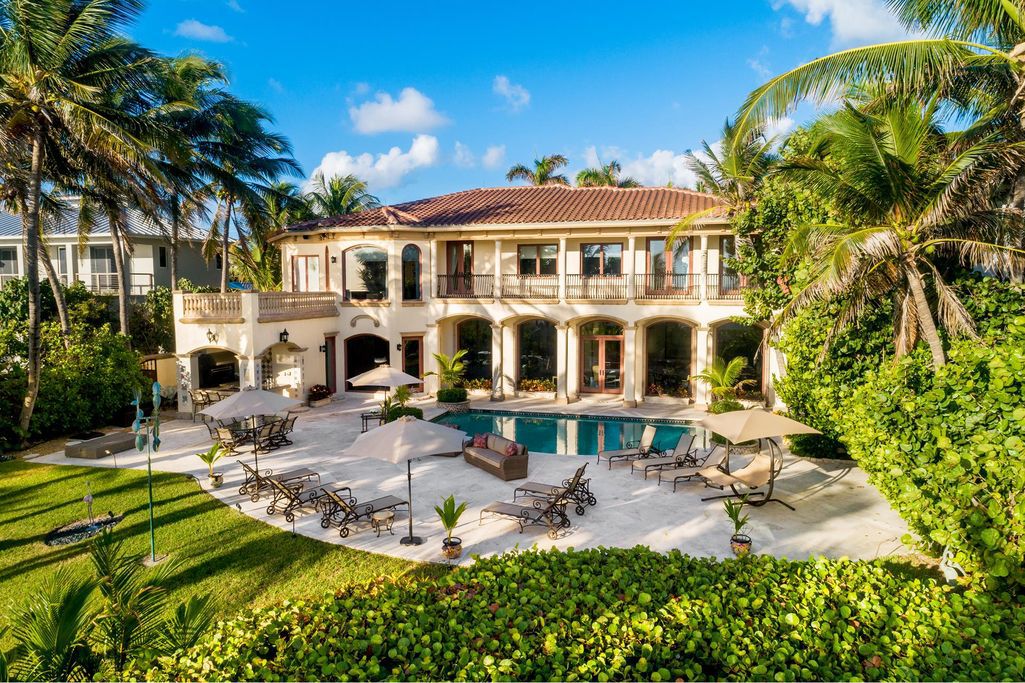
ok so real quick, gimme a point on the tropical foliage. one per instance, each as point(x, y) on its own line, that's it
point(544, 171)
point(338, 195)
point(605, 175)
point(724, 378)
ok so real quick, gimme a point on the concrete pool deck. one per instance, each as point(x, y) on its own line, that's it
point(838, 514)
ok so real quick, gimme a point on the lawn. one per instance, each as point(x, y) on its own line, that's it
point(218, 550)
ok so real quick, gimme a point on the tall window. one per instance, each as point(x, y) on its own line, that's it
point(411, 290)
point(305, 273)
point(101, 259)
point(602, 259)
point(366, 274)
point(162, 254)
point(62, 260)
point(727, 252)
point(677, 264)
point(474, 335)
point(538, 259)
point(538, 352)
point(8, 261)
point(668, 359)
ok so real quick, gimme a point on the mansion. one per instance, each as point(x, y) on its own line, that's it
point(565, 292)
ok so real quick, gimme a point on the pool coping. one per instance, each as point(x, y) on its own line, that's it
point(576, 416)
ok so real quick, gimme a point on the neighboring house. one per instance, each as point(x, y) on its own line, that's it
point(568, 291)
point(148, 262)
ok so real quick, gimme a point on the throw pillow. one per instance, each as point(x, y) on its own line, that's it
point(512, 449)
point(480, 441)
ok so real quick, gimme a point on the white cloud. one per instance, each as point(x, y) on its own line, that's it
point(275, 85)
point(759, 67)
point(853, 22)
point(493, 156)
point(383, 170)
point(197, 30)
point(234, 6)
point(463, 156)
point(779, 127)
point(661, 167)
point(515, 95)
point(412, 112)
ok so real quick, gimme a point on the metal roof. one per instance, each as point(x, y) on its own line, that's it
point(67, 225)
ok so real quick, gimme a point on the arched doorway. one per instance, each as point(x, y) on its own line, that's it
point(474, 335)
point(668, 355)
point(734, 339)
point(217, 370)
point(601, 357)
point(538, 355)
point(364, 352)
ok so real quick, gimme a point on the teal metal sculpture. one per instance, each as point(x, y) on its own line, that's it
point(147, 437)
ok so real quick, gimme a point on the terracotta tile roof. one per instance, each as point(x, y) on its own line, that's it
point(527, 204)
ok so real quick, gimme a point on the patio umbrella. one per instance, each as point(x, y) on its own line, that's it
point(747, 425)
point(250, 403)
point(384, 376)
point(405, 439)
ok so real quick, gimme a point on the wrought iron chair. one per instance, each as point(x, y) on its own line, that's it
point(576, 489)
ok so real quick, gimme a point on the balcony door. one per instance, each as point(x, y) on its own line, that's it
point(459, 257)
point(601, 358)
point(668, 271)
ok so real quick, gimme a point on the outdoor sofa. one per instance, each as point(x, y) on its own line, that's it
point(494, 460)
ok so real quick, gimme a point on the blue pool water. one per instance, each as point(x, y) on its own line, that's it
point(567, 434)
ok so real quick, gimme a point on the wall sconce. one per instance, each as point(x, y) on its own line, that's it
point(323, 348)
point(334, 259)
point(398, 347)
point(211, 336)
point(283, 336)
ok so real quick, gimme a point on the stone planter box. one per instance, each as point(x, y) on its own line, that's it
point(100, 447)
point(319, 402)
point(461, 407)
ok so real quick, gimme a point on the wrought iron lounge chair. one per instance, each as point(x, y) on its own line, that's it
point(547, 513)
point(283, 429)
point(682, 456)
point(227, 439)
point(343, 511)
point(645, 448)
point(257, 481)
point(576, 489)
point(711, 457)
point(757, 478)
point(289, 497)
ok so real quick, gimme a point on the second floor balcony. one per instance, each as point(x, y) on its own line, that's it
point(237, 307)
point(466, 286)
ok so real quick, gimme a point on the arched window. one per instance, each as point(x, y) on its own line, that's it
point(366, 274)
point(474, 335)
point(668, 354)
point(538, 355)
point(734, 339)
point(411, 273)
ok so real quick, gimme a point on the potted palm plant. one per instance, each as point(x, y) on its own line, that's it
point(209, 458)
point(449, 513)
point(740, 543)
point(451, 370)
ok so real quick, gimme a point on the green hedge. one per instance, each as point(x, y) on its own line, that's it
point(452, 395)
point(395, 412)
point(613, 614)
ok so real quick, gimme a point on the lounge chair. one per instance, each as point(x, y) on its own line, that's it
point(547, 513)
point(284, 428)
point(343, 511)
point(289, 497)
point(576, 489)
point(257, 481)
point(645, 448)
point(711, 457)
point(681, 455)
point(227, 439)
point(757, 478)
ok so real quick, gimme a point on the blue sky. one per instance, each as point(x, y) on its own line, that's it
point(425, 98)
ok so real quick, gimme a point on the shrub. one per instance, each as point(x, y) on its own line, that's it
point(537, 385)
point(452, 395)
point(478, 384)
point(395, 412)
point(318, 392)
point(615, 614)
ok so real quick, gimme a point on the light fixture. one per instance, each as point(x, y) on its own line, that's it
point(211, 336)
point(283, 336)
point(334, 259)
point(398, 347)
point(323, 348)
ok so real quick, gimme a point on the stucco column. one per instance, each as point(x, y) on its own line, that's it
point(188, 372)
point(497, 376)
point(510, 358)
point(630, 260)
point(628, 374)
point(573, 363)
point(433, 269)
point(703, 355)
point(432, 345)
point(561, 364)
point(563, 266)
point(394, 274)
point(498, 269)
point(703, 268)
point(640, 351)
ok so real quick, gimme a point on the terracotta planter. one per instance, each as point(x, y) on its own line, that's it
point(452, 548)
point(740, 544)
point(216, 479)
point(316, 403)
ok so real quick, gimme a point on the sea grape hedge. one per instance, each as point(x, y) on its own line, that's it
point(615, 614)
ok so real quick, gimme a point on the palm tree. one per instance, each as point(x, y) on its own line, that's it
point(723, 379)
point(339, 195)
point(451, 369)
point(911, 198)
point(605, 175)
point(60, 61)
point(543, 173)
point(732, 170)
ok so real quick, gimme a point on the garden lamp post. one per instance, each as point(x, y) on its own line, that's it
point(147, 436)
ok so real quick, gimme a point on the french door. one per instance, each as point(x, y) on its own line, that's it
point(601, 365)
point(331, 363)
point(413, 358)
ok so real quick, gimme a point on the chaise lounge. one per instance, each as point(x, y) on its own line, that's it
point(576, 489)
point(645, 448)
point(681, 455)
point(340, 509)
point(546, 513)
point(493, 457)
point(257, 481)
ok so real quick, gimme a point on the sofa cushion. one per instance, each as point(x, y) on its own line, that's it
point(498, 444)
point(512, 449)
point(480, 441)
point(486, 456)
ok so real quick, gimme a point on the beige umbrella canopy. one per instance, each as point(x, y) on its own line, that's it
point(384, 376)
point(748, 425)
point(405, 439)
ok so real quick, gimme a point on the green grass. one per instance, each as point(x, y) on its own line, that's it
point(217, 550)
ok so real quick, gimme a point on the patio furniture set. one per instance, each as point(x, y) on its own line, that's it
point(267, 432)
point(203, 398)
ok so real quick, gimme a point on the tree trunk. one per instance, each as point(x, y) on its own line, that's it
point(225, 245)
point(926, 322)
point(58, 294)
point(175, 217)
point(30, 234)
point(121, 271)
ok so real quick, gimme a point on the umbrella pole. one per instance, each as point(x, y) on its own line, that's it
point(411, 539)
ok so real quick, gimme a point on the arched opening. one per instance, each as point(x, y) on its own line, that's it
point(217, 370)
point(538, 354)
point(668, 354)
point(601, 357)
point(411, 270)
point(365, 274)
point(362, 353)
point(474, 335)
point(734, 339)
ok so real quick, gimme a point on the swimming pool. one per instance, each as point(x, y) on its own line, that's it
point(568, 434)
